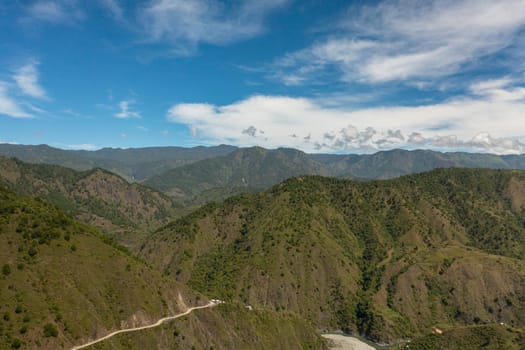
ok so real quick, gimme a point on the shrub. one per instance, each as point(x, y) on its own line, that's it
point(32, 251)
point(6, 270)
point(16, 344)
point(50, 330)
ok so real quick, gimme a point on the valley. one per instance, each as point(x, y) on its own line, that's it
point(262, 175)
point(390, 260)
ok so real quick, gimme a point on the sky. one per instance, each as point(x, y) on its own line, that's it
point(322, 76)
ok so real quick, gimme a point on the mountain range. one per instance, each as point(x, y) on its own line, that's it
point(393, 246)
point(194, 176)
point(385, 259)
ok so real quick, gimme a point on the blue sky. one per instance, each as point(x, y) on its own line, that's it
point(318, 75)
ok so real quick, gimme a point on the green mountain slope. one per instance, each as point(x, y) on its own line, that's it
point(386, 259)
point(229, 326)
point(97, 197)
point(63, 284)
point(242, 170)
point(489, 337)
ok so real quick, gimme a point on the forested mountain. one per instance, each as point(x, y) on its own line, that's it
point(389, 259)
point(97, 197)
point(246, 169)
point(224, 170)
point(63, 283)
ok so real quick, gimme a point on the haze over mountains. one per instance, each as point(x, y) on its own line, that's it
point(390, 259)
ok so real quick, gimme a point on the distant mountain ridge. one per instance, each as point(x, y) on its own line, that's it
point(250, 169)
point(202, 174)
point(245, 169)
point(133, 163)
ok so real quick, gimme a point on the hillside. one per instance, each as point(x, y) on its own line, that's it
point(97, 197)
point(246, 169)
point(62, 283)
point(385, 259)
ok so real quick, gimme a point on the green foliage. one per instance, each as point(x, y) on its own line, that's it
point(16, 344)
point(6, 270)
point(96, 197)
point(385, 259)
point(50, 330)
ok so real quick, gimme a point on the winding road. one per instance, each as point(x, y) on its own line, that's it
point(156, 324)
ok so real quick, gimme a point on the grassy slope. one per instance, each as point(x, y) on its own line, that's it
point(59, 272)
point(387, 259)
point(63, 276)
point(230, 326)
point(489, 337)
point(96, 197)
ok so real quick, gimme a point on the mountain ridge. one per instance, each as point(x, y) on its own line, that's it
point(388, 259)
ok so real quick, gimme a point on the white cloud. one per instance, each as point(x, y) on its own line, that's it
point(55, 11)
point(9, 106)
point(26, 77)
point(409, 39)
point(83, 146)
point(126, 110)
point(184, 24)
point(464, 123)
point(499, 90)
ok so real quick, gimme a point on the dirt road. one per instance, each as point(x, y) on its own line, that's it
point(156, 324)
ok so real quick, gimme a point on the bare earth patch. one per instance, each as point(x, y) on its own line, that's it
point(342, 342)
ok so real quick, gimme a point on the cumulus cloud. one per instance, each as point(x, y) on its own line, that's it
point(409, 39)
point(464, 123)
point(9, 106)
point(26, 77)
point(251, 131)
point(184, 24)
point(126, 110)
